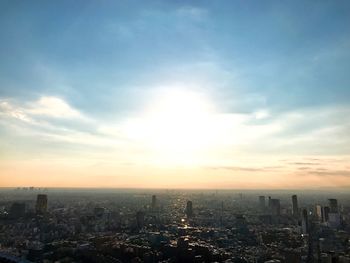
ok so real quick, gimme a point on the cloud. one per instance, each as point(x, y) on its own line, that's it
point(246, 169)
point(53, 107)
point(192, 12)
point(305, 132)
point(332, 173)
point(50, 107)
point(303, 163)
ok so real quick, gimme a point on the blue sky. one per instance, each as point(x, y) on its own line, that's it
point(104, 60)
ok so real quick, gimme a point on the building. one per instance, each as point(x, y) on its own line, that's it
point(304, 222)
point(275, 207)
point(189, 209)
point(333, 205)
point(262, 202)
point(319, 213)
point(295, 208)
point(334, 220)
point(41, 204)
point(269, 202)
point(326, 211)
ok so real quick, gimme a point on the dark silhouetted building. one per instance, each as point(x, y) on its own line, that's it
point(275, 206)
point(304, 222)
point(189, 209)
point(295, 207)
point(326, 211)
point(41, 204)
point(333, 205)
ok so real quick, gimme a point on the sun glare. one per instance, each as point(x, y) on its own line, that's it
point(176, 125)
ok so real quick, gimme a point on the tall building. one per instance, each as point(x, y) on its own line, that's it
point(326, 211)
point(334, 220)
point(275, 206)
point(333, 205)
point(154, 203)
point(41, 204)
point(295, 207)
point(319, 213)
point(262, 202)
point(189, 209)
point(304, 222)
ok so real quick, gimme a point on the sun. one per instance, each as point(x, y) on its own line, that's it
point(177, 125)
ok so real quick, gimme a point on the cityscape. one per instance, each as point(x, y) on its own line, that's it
point(174, 131)
point(67, 225)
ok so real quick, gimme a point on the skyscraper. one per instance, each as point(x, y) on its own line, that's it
point(304, 222)
point(262, 202)
point(295, 207)
point(319, 213)
point(189, 209)
point(333, 205)
point(41, 204)
point(275, 206)
point(326, 211)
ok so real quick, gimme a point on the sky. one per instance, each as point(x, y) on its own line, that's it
point(175, 94)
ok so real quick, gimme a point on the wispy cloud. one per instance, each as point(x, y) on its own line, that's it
point(50, 107)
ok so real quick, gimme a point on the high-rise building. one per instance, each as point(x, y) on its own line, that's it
point(319, 213)
point(189, 209)
point(333, 205)
point(154, 203)
point(304, 222)
point(17, 210)
point(262, 202)
point(275, 206)
point(295, 207)
point(41, 204)
point(326, 211)
point(334, 220)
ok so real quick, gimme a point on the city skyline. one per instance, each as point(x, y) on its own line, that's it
point(177, 94)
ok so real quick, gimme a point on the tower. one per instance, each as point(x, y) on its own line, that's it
point(295, 207)
point(275, 206)
point(304, 222)
point(320, 213)
point(189, 209)
point(41, 204)
point(326, 211)
point(333, 205)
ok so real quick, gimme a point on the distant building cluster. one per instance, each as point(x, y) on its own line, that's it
point(172, 226)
